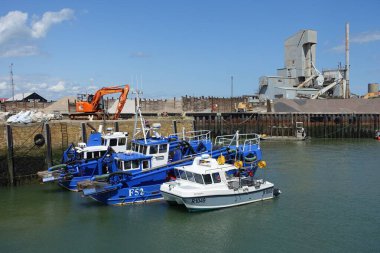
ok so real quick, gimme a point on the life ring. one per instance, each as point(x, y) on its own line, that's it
point(251, 157)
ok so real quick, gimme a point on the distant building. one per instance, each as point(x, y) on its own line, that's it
point(2, 100)
point(26, 97)
point(299, 78)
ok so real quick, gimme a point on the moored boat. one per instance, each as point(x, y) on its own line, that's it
point(143, 184)
point(209, 184)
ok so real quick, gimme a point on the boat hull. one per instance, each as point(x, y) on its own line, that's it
point(212, 202)
point(72, 184)
point(125, 196)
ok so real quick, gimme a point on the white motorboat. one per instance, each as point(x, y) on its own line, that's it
point(210, 184)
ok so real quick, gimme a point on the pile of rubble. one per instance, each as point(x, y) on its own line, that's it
point(28, 117)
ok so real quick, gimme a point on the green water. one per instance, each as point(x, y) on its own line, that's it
point(330, 203)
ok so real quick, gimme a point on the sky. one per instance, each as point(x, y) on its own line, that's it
point(175, 48)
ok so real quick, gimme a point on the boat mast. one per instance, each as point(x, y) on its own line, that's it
point(138, 114)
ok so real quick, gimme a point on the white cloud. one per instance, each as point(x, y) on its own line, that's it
point(60, 86)
point(18, 36)
point(28, 50)
point(3, 86)
point(365, 37)
point(41, 27)
point(13, 25)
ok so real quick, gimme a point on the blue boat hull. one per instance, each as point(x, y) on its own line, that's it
point(72, 184)
point(131, 195)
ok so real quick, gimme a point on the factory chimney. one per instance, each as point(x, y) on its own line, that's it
point(347, 69)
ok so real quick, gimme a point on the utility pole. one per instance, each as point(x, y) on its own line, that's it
point(232, 86)
point(232, 90)
point(12, 83)
point(347, 72)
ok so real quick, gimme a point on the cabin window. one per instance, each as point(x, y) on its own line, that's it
point(143, 149)
point(135, 164)
point(96, 154)
point(145, 164)
point(153, 149)
point(120, 164)
point(216, 177)
point(190, 176)
point(182, 174)
point(113, 142)
point(205, 163)
point(90, 155)
point(104, 142)
point(127, 165)
point(102, 153)
point(163, 148)
point(198, 178)
point(176, 172)
point(133, 146)
point(122, 141)
point(207, 178)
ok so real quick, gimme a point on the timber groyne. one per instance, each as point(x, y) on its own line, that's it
point(316, 125)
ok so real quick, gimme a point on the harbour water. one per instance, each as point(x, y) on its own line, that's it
point(330, 202)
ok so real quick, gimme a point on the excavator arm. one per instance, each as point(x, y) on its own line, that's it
point(91, 106)
point(122, 100)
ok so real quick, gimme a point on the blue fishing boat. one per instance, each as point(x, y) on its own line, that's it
point(142, 183)
point(98, 160)
point(85, 159)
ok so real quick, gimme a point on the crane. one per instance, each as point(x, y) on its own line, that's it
point(93, 104)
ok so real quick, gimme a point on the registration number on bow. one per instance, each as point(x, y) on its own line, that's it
point(198, 200)
point(136, 192)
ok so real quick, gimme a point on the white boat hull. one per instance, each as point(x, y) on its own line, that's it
point(220, 201)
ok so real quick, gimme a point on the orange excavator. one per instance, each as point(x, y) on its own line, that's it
point(88, 105)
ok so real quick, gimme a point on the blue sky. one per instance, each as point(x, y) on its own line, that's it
point(175, 48)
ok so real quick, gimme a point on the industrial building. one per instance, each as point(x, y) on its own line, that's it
point(300, 78)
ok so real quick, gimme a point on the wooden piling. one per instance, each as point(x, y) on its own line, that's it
point(116, 126)
point(83, 132)
point(48, 145)
point(11, 168)
point(175, 126)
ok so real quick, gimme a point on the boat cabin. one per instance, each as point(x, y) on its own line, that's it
point(116, 140)
point(92, 152)
point(132, 161)
point(205, 171)
point(158, 149)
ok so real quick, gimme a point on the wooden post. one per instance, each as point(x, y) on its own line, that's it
point(48, 145)
point(83, 132)
point(175, 126)
point(194, 125)
point(11, 169)
point(116, 126)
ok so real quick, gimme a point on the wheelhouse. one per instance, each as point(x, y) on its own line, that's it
point(158, 149)
point(117, 140)
point(133, 161)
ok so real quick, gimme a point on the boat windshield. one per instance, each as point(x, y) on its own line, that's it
point(207, 178)
point(139, 148)
point(131, 164)
point(190, 176)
